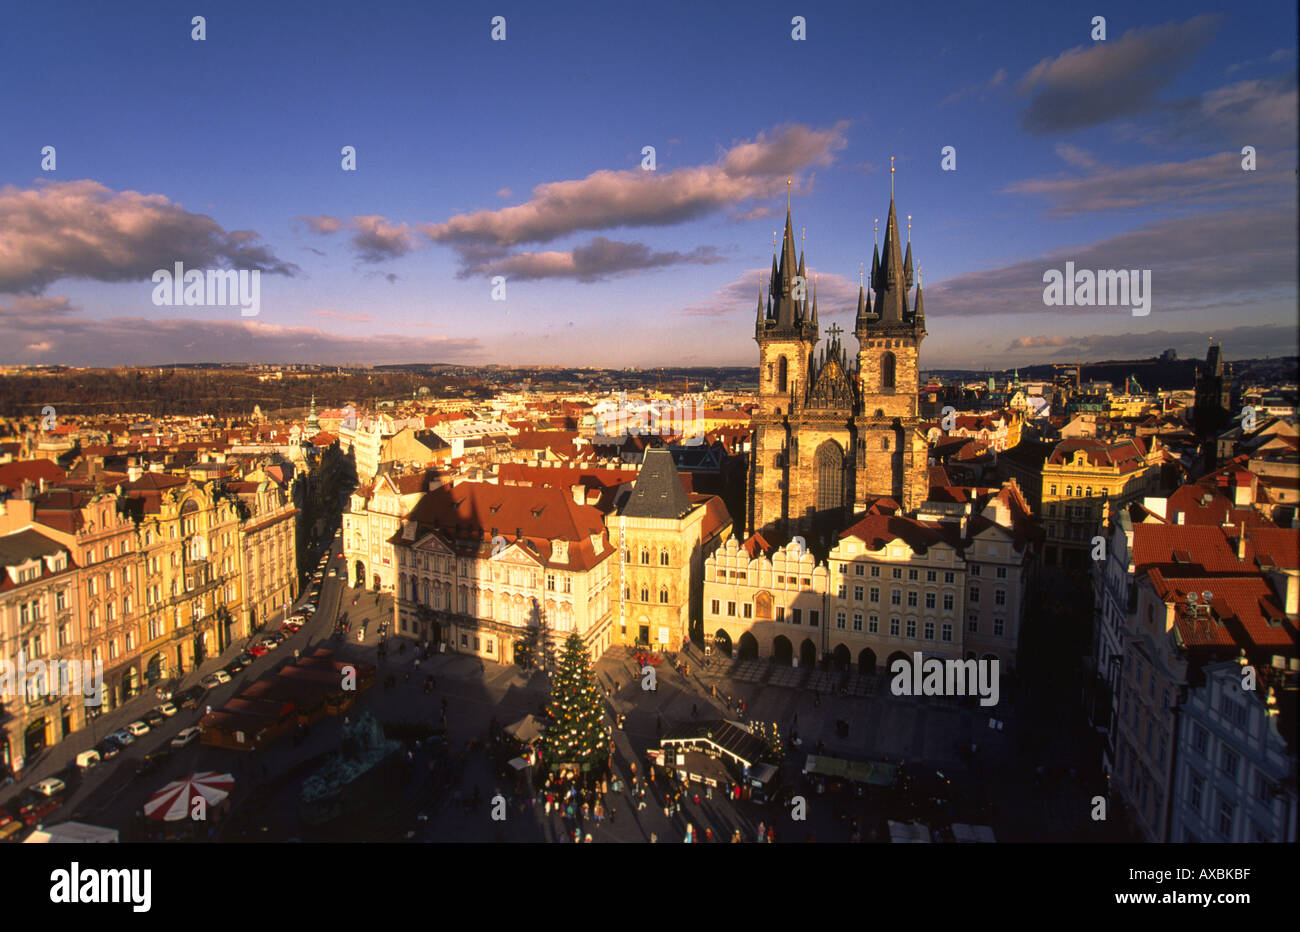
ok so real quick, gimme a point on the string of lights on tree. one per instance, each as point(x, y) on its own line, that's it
point(576, 732)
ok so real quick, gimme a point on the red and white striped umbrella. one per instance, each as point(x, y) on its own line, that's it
point(175, 801)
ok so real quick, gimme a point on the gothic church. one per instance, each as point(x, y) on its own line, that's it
point(833, 434)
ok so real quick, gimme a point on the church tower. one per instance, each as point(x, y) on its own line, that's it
point(831, 433)
point(892, 452)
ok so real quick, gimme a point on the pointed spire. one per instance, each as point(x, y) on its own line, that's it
point(919, 309)
point(891, 300)
point(814, 305)
point(907, 261)
point(761, 313)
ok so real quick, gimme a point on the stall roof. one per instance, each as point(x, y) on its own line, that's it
point(72, 833)
point(526, 729)
point(973, 833)
point(909, 833)
point(726, 737)
point(874, 773)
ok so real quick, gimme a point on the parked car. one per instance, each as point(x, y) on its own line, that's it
point(235, 666)
point(50, 786)
point(108, 749)
point(138, 728)
point(152, 763)
point(258, 649)
point(153, 718)
point(167, 690)
point(123, 737)
point(34, 807)
point(334, 571)
point(87, 759)
point(361, 633)
point(186, 736)
point(167, 709)
point(190, 698)
point(213, 680)
point(11, 827)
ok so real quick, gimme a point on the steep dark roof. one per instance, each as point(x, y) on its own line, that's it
point(658, 490)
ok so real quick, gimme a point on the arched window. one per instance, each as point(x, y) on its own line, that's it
point(782, 371)
point(645, 593)
point(663, 595)
point(663, 557)
point(888, 365)
point(645, 556)
point(884, 443)
point(830, 476)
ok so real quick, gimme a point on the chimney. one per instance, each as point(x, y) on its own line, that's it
point(133, 473)
point(1178, 517)
point(1241, 542)
point(1243, 492)
point(579, 494)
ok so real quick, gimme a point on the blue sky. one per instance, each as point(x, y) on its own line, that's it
point(477, 158)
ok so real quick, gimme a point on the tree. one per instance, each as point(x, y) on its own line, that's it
point(575, 732)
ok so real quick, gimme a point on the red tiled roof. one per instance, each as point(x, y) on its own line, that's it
point(13, 474)
point(1244, 604)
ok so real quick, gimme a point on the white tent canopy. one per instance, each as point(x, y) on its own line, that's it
point(72, 833)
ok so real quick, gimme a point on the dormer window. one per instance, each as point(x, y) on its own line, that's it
point(560, 551)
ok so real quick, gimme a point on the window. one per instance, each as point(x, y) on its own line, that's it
point(913, 575)
point(1225, 818)
point(663, 595)
point(1230, 760)
point(896, 597)
point(947, 633)
point(857, 570)
point(898, 572)
point(973, 624)
point(893, 627)
point(645, 556)
point(873, 624)
point(974, 593)
point(999, 597)
point(1194, 793)
point(911, 600)
point(814, 617)
point(929, 630)
point(875, 594)
point(875, 571)
point(911, 627)
point(949, 577)
point(947, 601)
point(566, 584)
point(645, 597)
point(840, 619)
point(780, 613)
point(796, 616)
point(842, 592)
point(1264, 789)
point(550, 581)
point(1002, 572)
point(998, 625)
point(748, 609)
point(60, 600)
point(929, 600)
point(1053, 490)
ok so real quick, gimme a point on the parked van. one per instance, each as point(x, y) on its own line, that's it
point(87, 759)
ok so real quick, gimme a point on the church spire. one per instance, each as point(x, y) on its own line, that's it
point(891, 283)
point(919, 309)
point(907, 260)
point(814, 306)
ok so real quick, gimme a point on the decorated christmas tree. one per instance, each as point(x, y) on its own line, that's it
point(575, 730)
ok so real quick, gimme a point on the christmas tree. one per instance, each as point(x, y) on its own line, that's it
point(575, 731)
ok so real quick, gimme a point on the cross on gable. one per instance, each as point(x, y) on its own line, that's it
point(834, 331)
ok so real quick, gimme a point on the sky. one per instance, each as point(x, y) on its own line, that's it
point(523, 159)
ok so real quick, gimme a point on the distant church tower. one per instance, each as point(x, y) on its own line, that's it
point(832, 434)
point(1213, 403)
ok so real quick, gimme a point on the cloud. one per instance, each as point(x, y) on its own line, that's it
point(836, 295)
point(377, 240)
point(634, 198)
point(1093, 84)
point(1036, 342)
point(505, 194)
point(1230, 259)
point(33, 305)
point(1214, 179)
point(994, 81)
point(82, 229)
point(1242, 342)
point(147, 341)
point(1276, 58)
point(358, 318)
point(601, 258)
point(1074, 156)
point(323, 225)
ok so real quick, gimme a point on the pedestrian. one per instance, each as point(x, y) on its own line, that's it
point(695, 712)
point(708, 833)
point(771, 835)
point(762, 833)
point(654, 839)
point(735, 837)
point(587, 838)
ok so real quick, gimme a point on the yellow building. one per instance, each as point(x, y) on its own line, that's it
point(1083, 480)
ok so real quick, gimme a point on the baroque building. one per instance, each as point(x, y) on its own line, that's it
point(832, 433)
